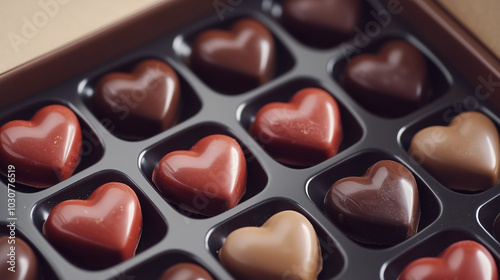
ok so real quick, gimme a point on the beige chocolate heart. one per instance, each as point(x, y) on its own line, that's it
point(462, 156)
point(285, 247)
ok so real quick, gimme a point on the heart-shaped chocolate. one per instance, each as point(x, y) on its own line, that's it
point(44, 150)
point(17, 260)
point(463, 260)
point(303, 132)
point(391, 83)
point(100, 231)
point(321, 23)
point(463, 156)
point(285, 247)
point(382, 207)
point(186, 271)
point(237, 60)
point(208, 179)
point(140, 104)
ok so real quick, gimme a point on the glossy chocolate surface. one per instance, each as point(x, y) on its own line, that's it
point(100, 231)
point(303, 132)
point(140, 104)
point(44, 150)
point(208, 179)
point(382, 207)
point(462, 156)
point(284, 247)
point(463, 260)
point(237, 60)
point(17, 264)
point(391, 83)
point(186, 271)
point(321, 23)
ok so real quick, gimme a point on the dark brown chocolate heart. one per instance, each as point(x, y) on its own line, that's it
point(321, 23)
point(140, 104)
point(391, 83)
point(382, 207)
point(237, 60)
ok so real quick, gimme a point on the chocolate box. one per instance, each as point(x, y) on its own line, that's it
point(463, 76)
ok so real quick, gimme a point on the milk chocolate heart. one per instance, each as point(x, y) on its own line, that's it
point(463, 260)
point(186, 271)
point(285, 247)
point(463, 156)
point(321, 23)
point(17, 260)
point(382, 207)
point(140, 104)
point(208, 179)
point(237, 60)
point(44, 150)
point(304, 132)
point(100, 231)
point(391, 83)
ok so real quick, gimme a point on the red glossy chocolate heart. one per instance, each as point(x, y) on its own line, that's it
point(285, 247)
point(391, 83)
point(17, 259)
point(100, 231)
point(44, 150)
point(464, 260)
point(186, 271)
point(382, 207)
point(208, 179)
point(140, 104)
point(462, 156)
point(321, 23)
point(237, 60)
point(303, 132)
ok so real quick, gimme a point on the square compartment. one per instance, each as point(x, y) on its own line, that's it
point(357, 165)
point(154, 227)
point(184, 140)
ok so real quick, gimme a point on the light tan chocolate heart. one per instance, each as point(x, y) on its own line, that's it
point(285, 247)
point(462, 156)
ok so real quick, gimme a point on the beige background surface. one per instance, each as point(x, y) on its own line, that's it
point(481, 17)
point(30, 28)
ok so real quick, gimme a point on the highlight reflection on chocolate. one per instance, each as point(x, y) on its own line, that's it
point(391, 83)
point(44, 150)
point(465, 259)
point(285, 247)
point(100, 231)
point(462, 156)
point(24, 262)
point(140, 104)
point(382, 207)
point(237, 60)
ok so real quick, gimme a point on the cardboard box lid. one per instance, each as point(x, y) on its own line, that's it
point(480, 17)
point(32, 28)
